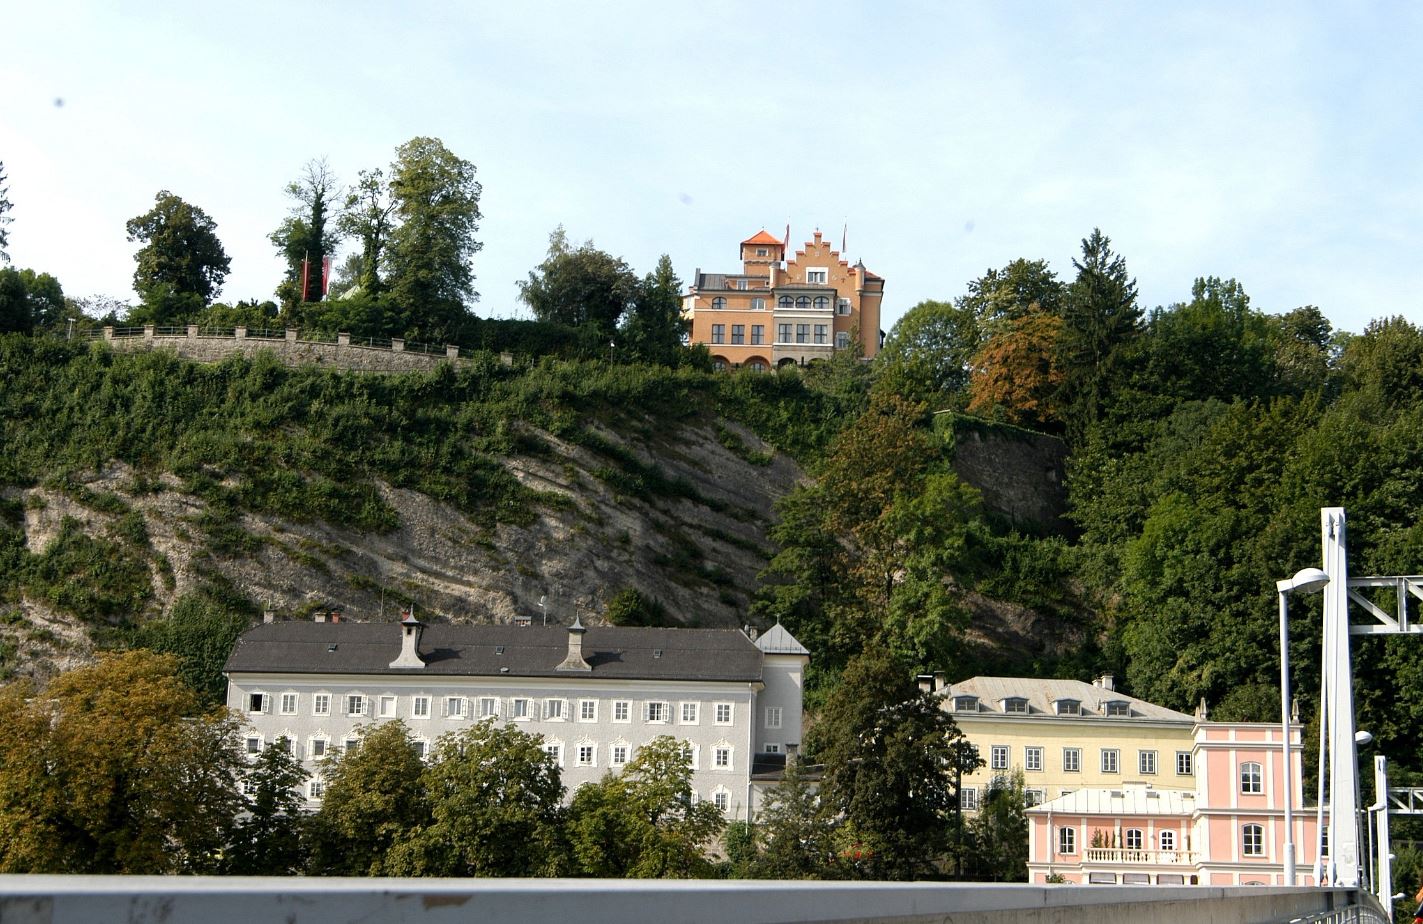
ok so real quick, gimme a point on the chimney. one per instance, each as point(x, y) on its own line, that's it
point(1106, 682)
point(574, 661)
point(410, 630)
point(941, 681)
point(926, 683)
point(1203, 713)
point(750, 632)
point(335, 615)
point(319, 617)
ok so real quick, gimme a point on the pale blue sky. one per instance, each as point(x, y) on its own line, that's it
point(1275, 143)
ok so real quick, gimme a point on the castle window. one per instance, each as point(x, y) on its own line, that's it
point(738, 333)
point(718, 303)
point(817, 276)
point(842, 306)
point(758, 304)
point(842, 340)
point(1111, 760)
point(289, 704)
point(718, 333)
point(803, 302)
point(321, 704)
point(998, 757)
point(761, 251)
point(822, 333)
point(783, 333)
point(758, 334)
point(785, 302)
point(822, 302)
point(802, 333)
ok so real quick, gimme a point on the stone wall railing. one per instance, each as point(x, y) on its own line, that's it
point(209, 345)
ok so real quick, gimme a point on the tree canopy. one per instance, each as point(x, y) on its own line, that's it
point(181, 265)
point(580, 285)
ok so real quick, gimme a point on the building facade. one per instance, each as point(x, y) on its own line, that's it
point(778, 311)
point(593, 695)
point(1228, 830)
point(1067, 735)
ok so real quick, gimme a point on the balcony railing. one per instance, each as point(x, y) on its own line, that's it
point(1128, 856)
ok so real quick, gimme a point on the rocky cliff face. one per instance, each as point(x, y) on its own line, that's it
point(592, 537)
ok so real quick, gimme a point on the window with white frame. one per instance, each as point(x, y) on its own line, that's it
point(968, 798)
point(1072, 760)
point(387, 707)
point(315, 788)
point(355, 704)
point(289, 703)
point(1146, 761)
point(1133, 839)
point(321, 704)
point(758, 304)
point(488, 706)
point(655, 712)
point(587, 755)
point(622, 711)
point(842, 306)
point(771, 747)
point(1111, 760)
point(253, 744)
point(1252, 841)
point(618, 755)
point(1032, 758)
point(998, 757)
point(554, 749)
point(350, 745)
point(259, 702)
point(1252, 781)
point(1068, 707)
point(317, 747)
point(286, 744)
point(690, 713)
point(773, 716)
point(1167, 839)
point(1183, 763)
point(1015, 705)
point(1067, 840)
point(1032, 797)
point(760, 251)
point(722, 800)
point(1118, 707)
point(723, 713)
point(817, 276)
point(842, 339)
point(721, 757)
point(420, 707)
point(965, 703)
point(555, 709)
point(457, 707)
point(691, 754)
point(422, 748)
point(587, 710)
point(520, 708)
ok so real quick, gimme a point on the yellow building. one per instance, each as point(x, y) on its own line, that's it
point(1066, 735)
point(778, 311)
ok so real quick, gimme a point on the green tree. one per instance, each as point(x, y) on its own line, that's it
point(369, 216)
point(644, 823)
point(181, 265)
point(200, 630)
point(928, 354)
point(495, 806)
point(887, 748)
point(307, 237)
point(268, 841)
point(795, 832)
point(114, 768)
point(29, 300)
point(1000, 831)
point(1213, 346)
point(5, 219)
point(577, 286)
point(436, 200)
point(654, 328)
point(1099, 315)
point(1022, 287)
point(16, 315)
point(375, 797)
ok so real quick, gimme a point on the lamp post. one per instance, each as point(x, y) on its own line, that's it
point(1307, 580)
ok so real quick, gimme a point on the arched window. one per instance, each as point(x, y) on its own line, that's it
point(802, 301)
point(822, 303)
point(785, 301)
point(1251, 780)
point(1066, 840)
point(718, 303)
point(1133, 839)
point(1252, 841)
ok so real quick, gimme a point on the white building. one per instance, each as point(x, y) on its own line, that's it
point(594, 695)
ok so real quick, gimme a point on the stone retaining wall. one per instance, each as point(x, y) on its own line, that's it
point(290, 349)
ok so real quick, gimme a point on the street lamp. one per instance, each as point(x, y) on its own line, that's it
point(1308, 581)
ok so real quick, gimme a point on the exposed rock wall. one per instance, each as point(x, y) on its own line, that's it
point(1021, 474)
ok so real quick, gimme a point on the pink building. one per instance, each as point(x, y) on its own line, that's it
point(1228, 830)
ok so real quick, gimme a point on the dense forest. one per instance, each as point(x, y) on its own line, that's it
point(1202, 438)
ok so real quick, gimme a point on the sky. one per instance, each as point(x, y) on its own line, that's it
point(1274, 143)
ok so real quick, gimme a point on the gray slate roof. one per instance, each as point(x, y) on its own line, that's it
point(1042, 693)
point(623, 653)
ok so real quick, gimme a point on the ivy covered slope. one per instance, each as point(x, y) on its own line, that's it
point(135, 489)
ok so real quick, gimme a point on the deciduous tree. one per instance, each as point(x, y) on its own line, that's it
point(1017, 374)
point(267, 840)
point(5, 219)
point(308, 235)
point(927, 356)
point(181, 265)
point(496, 809)
point(369, 216)
point(577, 286)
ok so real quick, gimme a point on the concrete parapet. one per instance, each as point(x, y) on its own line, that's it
point(213, 900)
point(240, 333)
point(148, 332)
point(291, 335)
point(452, 351)
point(397, 346)
point(291, 350)
point(192, 331)
point(343, 339)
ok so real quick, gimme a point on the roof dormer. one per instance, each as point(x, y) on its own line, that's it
point(965, 703)
point(1067, 706)
point(1014, 705)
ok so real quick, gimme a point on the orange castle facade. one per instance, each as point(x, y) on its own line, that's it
point(778, 311)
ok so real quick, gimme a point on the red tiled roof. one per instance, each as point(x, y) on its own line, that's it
point(762, 237)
